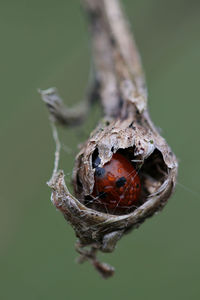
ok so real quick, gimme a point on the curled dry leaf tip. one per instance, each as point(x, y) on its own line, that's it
point(108, 205)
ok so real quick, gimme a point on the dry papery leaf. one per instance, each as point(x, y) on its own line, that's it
point(126, 128)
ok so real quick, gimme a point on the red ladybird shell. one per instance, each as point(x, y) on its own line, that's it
point(117, 184)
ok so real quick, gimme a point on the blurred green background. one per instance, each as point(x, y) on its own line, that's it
point(43, 44)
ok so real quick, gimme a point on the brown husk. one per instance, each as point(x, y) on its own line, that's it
point(126, 128)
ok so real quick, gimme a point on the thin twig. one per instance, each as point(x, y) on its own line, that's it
point(60, 113)
point(57, 154)
point(116, 58)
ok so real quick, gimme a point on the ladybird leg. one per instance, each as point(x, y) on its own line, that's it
point(110, 240)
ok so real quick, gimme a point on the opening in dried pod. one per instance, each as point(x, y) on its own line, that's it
point(125, 172)
point(124, 182)
point(154, 172)
point(117, 185)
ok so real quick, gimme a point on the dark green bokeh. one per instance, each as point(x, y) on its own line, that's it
point(43, 44)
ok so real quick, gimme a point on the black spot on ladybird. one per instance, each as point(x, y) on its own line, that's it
point(120, 182)
point(99, 172)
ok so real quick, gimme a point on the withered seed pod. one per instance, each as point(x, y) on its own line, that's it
point(126, 129)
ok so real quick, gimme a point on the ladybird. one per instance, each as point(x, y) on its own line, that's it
point(116, 184)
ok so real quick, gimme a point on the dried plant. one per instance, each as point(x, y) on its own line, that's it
point(126, 128)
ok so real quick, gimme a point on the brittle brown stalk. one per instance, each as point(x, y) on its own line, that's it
point(126, 127)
